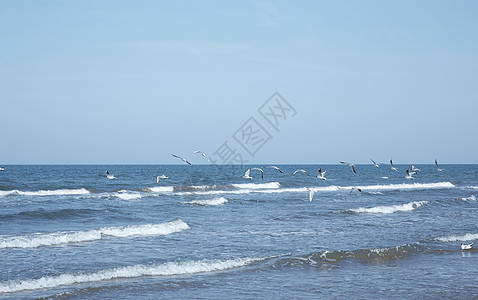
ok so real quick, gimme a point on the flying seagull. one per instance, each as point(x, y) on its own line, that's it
point(321, 174)
point(302, 171)
point(260, 170)
point(311, 194)
point(350, 165)
point(408, 175)
point(353, 189)
point(276, 168)
point(110, 176)
point(203, 154)
point(2, 169)
point(466, 246)
point(247, 174)
point(438, 168)
point(392, 166)
point(415, 169)
point(161, 177)
point(374, 163)
point(183, 159)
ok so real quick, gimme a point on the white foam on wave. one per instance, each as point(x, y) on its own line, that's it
point(166, 269)
point(161, 189)
point(390, 209)
point(60, 238)
point(458, 238)
point(257, 186)
point(213, 202)
point(471, 187)
point(62, 192)
point(125, 195)
point(471, 198)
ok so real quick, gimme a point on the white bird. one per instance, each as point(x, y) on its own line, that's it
point(311, 194)
point(321, 174)
point(2, 169)
point(203, 154)
point(415, 169)
point(438, 168)
point(110, 176)
point(260, 170)
point(350, 165)
point(374, 163)
point(302, 171)
point(183, 159)
point(247, 174)
point(276, 168)
point(161, 177)
point(392, 166)
point(466, 246)
point(408, 175)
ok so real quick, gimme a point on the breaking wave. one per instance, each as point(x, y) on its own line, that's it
point(374, 255)
point(390, 209)
point(125, 195)
point(60, 238)
point(214, 202)
point(166, 269)
point(458, 238)
point(81, 191)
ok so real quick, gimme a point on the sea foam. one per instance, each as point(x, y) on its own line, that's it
point(60, 238)
point(390, 209)
point(458, 238)
point(81, 191)
point(213, 202)
point(166, 269)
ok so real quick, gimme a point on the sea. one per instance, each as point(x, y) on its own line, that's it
point(205, 232)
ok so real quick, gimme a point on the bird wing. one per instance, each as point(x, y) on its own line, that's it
point(258, 169)
point(373, 162)
point(353, 169)
point(391, 163)
point(247, 173)
point(176, 156)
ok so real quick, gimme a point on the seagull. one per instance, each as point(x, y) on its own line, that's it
point(2, 169)
point(303, 171)
point(311, 194)
point(260, 170)
point(161, 177)
point(408, 175)
point(415, 169)
point(374, 163)
point(466, 247)
point(438, 168)
point(247, 174)
point(183, 159)
point(321, 174)
point(392, 166)
point(358, 190)
point(350, 165)
point(203, 154)
point(110, 176)
point(276, 168)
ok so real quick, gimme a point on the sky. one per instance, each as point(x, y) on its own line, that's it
point(298, 82)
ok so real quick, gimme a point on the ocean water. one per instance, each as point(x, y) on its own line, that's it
point(207, 233)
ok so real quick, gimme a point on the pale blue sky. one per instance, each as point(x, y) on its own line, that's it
point(113, 82)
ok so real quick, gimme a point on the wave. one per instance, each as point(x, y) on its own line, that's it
point(215, 201)
point(160, 189)
point(458, 238)
point(166, 269)
point(50, 215)
point(471, 198)
point(81, 191)
point(471, 187)
point(125, 195)
point(60, 238)
point(390, 209)
point(257, 186)
point(375, 255)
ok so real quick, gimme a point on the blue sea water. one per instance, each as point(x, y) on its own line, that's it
point(207, 233)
